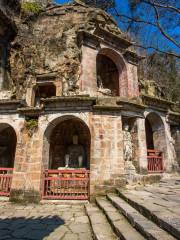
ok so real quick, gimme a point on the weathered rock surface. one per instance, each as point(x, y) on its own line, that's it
point(48, 43)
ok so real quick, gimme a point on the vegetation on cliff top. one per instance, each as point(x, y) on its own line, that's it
point(31, 7)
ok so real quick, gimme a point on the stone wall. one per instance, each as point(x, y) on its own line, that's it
point(106, 153)
point(106, 150)
point(107, 163)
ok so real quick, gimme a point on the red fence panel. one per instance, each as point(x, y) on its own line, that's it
point(155, 161)
point(5, 181)
point(66, 184)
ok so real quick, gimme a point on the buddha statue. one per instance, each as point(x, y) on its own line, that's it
point(75, 154)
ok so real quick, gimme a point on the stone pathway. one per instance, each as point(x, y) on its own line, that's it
point(43, 222)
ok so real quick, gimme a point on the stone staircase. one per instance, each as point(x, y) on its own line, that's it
point(115, 217)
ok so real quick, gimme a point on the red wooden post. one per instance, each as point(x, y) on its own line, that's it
point(155, 161)
point(5, 181)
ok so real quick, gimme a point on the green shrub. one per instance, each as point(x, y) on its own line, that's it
point(31, 124)
point(31, 7)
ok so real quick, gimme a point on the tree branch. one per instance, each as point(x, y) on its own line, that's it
point(156, 49)
point(168, 7)
point(161, 28)
point(157, 25)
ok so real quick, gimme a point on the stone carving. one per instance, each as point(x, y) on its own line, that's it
point(130, 169)
point(128, 146)
point(75, 154)
point(101, 89)
point(151, 88)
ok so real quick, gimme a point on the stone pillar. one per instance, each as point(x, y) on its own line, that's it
point(2, 65)
point(132, 79)
point(170, 156)
point(141, 145)
point(177, 145)
point(107, 163)
point(88, 83)
point(26, 182)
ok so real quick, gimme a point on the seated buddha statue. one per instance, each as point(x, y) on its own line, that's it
point(76, 154)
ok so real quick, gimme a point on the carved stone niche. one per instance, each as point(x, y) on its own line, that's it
point(45, 87)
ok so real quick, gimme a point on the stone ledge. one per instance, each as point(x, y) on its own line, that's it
point(107, 107)
point(157, 103)
point(10, 106)
point(30, 111)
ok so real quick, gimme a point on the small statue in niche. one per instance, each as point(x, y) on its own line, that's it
point(75, 154)
point(128, 153)
point(101, 89)
point(128, 146)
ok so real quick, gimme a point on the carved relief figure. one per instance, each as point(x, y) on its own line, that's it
point(128, 146)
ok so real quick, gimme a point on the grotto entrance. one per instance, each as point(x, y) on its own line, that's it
point(107, 75)
point(44, 91)
point(156, 142)
point(67, 176)
point(7, 154)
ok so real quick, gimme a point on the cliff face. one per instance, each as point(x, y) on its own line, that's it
point(48, 43)
point(9, 10)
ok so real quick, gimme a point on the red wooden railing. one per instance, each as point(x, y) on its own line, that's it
point(66, 184)
point(5, 181)
point(155, 161)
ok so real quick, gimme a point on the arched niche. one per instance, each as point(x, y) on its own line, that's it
point(8, 142)
point(64, 136)
point(155, 132)
point(111, 73)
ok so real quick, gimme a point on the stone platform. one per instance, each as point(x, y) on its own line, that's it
point(43, 222)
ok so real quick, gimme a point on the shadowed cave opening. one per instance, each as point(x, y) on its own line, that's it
point(107, 74)
point(7, 146)
point(70, 139)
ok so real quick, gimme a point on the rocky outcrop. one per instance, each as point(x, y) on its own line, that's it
point(47, 42)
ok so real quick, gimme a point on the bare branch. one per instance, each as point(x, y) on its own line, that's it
point(168, 7)
point(157, 25)
point(161, 28)
point(135, 19)
point(156, 49)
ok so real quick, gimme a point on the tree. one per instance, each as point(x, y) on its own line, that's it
point(164, 70)
point(153, 24)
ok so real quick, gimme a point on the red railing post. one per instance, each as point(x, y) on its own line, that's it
point(5, 181)
point(155, 161)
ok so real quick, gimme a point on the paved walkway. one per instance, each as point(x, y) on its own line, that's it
point(70, 222)
point(43, 222)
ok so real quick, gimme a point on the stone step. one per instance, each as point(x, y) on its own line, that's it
point(167, 221)
point(146, 227)
point(100, 227)
point(123, 229)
